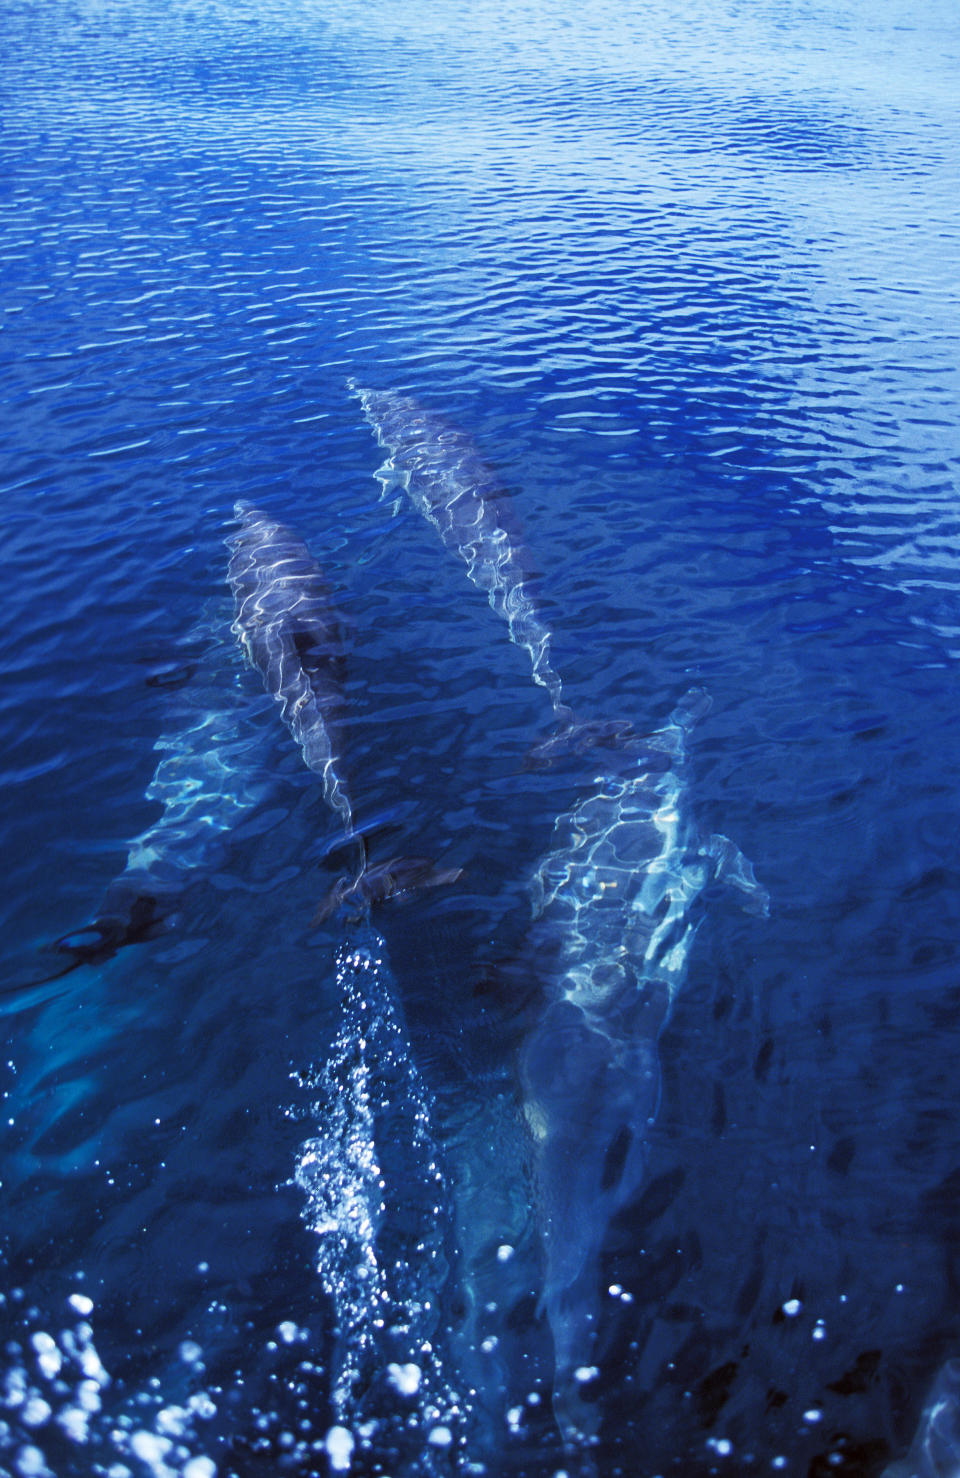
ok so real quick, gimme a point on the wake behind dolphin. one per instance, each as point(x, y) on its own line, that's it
point(614, 906)
point(375, 1192)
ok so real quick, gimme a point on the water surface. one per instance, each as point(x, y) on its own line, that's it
point(685, 276)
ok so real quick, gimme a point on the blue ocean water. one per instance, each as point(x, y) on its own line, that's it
point(685, 277)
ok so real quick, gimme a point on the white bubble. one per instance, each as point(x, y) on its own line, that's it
point(36, 1412)
point(202, 1406)
point(339, 1445)
point(172, 1421)
point(200, 1467)
point(440, 1437)
point(288, 1331)
point(792, 1307)
point(583, 1373)
point(813, 1415)
point(75, 1423)
point(190, 1352)
point(81, 1304)
point(31, 1463)
point(49, 1357)
point(405, 1378)
point(88, 1395)
point(504, 1252)
point(17, 1388)
point(722, 1446)
point(91, 1366)
point(150, 1449)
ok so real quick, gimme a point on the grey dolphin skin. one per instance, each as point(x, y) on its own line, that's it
point(614, 905)
point(450, 485)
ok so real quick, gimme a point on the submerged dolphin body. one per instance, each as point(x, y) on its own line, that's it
point(373, 1188)
point(614, 904)
point(204, 780)
point(204, 783)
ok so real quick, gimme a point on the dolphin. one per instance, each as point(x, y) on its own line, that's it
point(616, 905)
point(286, 624)
point(457, 493)
point(287, 627)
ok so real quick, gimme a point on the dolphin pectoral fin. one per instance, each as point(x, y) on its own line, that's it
point(331, 901)
point(732, 868)
point(143, 919)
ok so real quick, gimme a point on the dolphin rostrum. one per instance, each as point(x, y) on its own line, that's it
point(286, 624)
point(614, 905)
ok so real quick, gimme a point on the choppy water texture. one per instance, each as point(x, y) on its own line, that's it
point(681, 282)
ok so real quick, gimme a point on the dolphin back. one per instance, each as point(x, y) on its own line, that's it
point(287, 627)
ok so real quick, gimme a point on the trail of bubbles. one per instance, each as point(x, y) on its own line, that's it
point(375, 1197)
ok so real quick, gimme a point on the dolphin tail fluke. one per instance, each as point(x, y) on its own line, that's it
point(736, 871)
point(399, 877)
point(576, 737)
